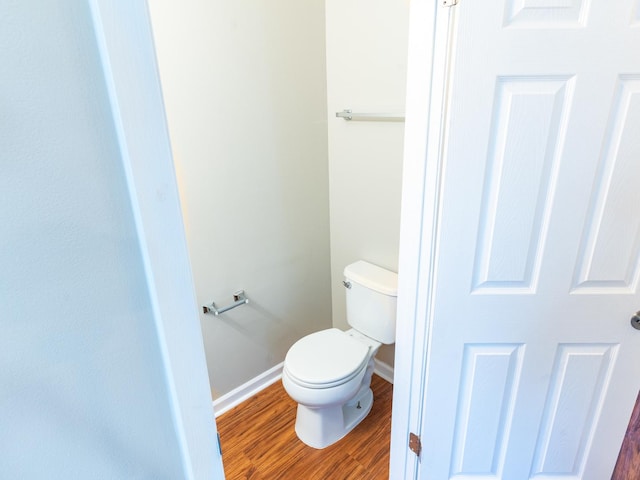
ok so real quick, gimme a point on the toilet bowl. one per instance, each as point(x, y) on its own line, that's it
point(328, 373)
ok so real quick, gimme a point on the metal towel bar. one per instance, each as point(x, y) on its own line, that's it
point(370, 117)
point(239, 299)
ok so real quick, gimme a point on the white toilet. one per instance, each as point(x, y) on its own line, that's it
point(329, 372)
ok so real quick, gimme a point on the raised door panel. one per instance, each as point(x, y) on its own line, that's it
point(489, 382)
point(579, 383)
point(609, 260)
point(529, 123)
point(546, 13)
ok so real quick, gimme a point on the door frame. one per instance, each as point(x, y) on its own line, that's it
point(127, 53)
point(430, 25)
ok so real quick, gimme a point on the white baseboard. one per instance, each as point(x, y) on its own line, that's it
point(384, 371)
point(238, 395)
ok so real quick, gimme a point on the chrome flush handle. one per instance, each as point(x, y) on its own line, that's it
point(346, 284)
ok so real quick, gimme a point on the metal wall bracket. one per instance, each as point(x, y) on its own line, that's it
point(348, 115)
point(239, 298)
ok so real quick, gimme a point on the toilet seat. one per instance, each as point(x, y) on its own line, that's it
point(325, 359)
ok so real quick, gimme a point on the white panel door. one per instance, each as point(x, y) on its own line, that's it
point(532, 363)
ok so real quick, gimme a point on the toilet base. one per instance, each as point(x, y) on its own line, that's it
point(321, 427)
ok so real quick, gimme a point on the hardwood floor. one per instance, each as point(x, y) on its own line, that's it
point(628, 466)
point(259, 441)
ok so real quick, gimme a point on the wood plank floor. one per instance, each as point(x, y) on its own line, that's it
point(628, 466)
point(259, 441)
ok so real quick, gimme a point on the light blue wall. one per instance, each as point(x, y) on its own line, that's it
point(82, 389)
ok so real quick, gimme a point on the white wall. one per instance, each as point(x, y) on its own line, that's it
point(244, 87)
point(83, 390)
point(366, 71)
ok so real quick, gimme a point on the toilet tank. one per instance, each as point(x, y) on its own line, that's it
point(372, 294)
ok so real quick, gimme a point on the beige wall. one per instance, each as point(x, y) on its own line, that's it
point(245, 92)
point(245, 86)
point(366, 70)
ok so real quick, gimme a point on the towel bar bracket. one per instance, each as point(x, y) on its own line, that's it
point(349, 115)
point(239, 298)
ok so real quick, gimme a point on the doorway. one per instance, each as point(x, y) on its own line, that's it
point(278, 194)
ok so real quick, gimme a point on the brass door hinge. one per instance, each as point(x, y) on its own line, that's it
point(415, 445)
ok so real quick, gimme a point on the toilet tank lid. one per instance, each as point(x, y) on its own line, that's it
point(373, 277)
